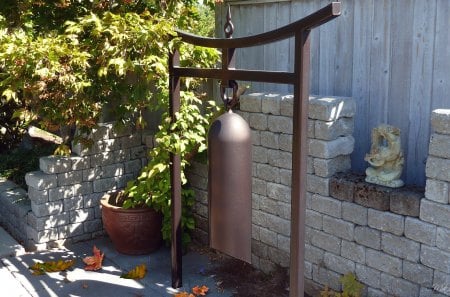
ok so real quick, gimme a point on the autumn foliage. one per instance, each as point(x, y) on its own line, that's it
point(94, 262)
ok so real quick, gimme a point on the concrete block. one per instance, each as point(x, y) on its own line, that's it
point(283, 210)
point(37, 196)
point(130, 141)
point(251, 102)
point(330, 149)
point(331, 130)
point(268, 205)
point(256, 137)
point(443, 238)
point(386, 221)
point(279, 257)
point(400, 247)
point(326, 241)
point(279, 192)
point(437, 190)
point(287, 105)
point(354, 213)
point(133, 166)
point(310, 165)
point(120, 156)
point(326, 205)
point(439, 145)
point(369, 276)
point(70, 230)
point(70, 178)
point(108, 145)
point(285, 142)
point(40, 180)
point(329, 167)
point(104, 184)
point(372, 196)
point(81, 215)
point(267, 173)
point(438, 168)
point(270, 139)
point(326, 277)
point(279, 159)
point(398, 286)
point(331, 108)
point(279, 124)
point(84, 188)
point(436, 213)
point(311, 125)
point(338, 227)
point(116, 131)
point(318, 185)
point(368, 237)
point(102, 159)
point(259, 186)
point(440, 121)
point(47, 222)
point(313, 219)
point(285, 177)
point(113, 170)
point(270, 104)
point(260, 249)
point(338, 264)
point(418, 273)
point(435, 258)
point(63, 192)
point(80, 163)
point(342, 186)
point(384, 262)
point(47, 209)
point(420, 231)
point(426, 292)
point(441, 282)
point(353, 251)
point(405, 202)
point(258, 121)
point(92, 226)
point(260, 154)
point(314, 254)
point(73, 203)
point(272, 222)
point(55, 164)
point(42, 236)
point(308, 270)
point(284, 243)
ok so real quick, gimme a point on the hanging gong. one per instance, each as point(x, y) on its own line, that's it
point(230, 186)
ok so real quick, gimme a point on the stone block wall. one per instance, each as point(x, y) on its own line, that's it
point(395, 241)
point(63, 196)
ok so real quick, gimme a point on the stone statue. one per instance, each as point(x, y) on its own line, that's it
point(385, 157)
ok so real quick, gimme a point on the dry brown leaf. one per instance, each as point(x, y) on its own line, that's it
point(94, 262)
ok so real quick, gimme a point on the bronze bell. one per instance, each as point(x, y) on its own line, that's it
point(230, 186)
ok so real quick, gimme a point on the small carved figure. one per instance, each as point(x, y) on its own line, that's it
point(385, 157)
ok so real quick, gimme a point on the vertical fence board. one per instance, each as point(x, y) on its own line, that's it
point(361, 82)
point(421, 83)
point(387, 54)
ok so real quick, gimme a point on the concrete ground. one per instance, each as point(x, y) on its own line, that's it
point(17, 280)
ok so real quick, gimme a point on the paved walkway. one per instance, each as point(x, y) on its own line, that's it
point(17, 280)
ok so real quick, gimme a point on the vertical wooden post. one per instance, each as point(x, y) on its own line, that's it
point(175, 177)
point(299, 159)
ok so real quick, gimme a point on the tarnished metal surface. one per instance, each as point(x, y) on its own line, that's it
point(230, 186)
point(300, 79)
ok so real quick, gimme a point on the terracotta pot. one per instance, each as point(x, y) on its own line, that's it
point(132, 231)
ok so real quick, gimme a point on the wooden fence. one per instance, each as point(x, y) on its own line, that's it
point(392, 56)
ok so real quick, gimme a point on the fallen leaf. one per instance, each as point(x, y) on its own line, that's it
point(94, 262)
point(182, 294)
point(137, 272)
point(84, 286)
point(200, 291)
point(51, 266)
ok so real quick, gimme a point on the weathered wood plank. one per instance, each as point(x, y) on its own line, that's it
point(441, 65)
point(363, 21)
point(397, 66)
point(421, 84)
point(401, 57)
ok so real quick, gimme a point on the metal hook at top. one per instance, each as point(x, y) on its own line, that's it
point(229, 102)
point(228, 28)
